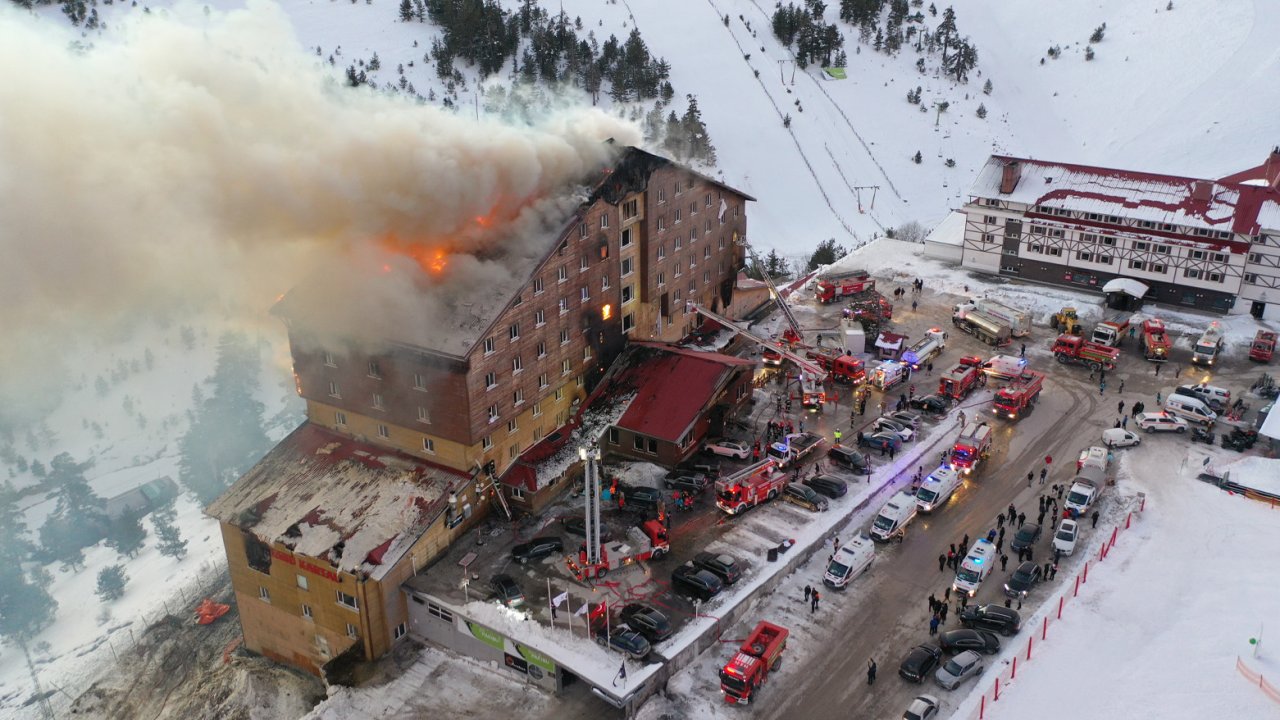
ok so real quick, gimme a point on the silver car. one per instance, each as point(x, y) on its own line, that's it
point(958, 669)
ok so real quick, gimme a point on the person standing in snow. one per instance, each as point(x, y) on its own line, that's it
point(871, 672)
point(933, 625)
point(808, 591)
point(1095, 518)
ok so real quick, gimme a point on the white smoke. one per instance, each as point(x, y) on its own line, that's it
point(209, 156)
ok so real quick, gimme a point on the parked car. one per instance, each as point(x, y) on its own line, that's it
point(626, 641)
point(694, 582)
point(707, 466)
point(966, 665)
point(955, 641)
point(1119, 437)
point(932, 404)
point(849, 459)
point(507, 591)
point(577, 525)
point(1240, 439)
point(647, 620)
point(537, 548)
point(881, 441)
point(722, 566)
point(910, 419)
point(641, 497)
point(1022, 580)
point(1026, 536)
point(1064, 540)
point(924, 707)
point(830, 486)
point(1161, 421)
point(728, 448)
point(919, 661)
point(804, 496)
point(686, 481)
point(902, 430)
point(995, 618)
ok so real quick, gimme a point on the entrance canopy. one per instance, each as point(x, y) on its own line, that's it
point(1128, 286)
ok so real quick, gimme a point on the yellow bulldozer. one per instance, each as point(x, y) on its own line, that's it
point(1065, 321)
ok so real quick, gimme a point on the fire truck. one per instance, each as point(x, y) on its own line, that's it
point(1155, 343)
point(1075, 349)
point(845, 369)
point(747, 488)
point(1206, 349)
point(971, 448)
point(835, 288)
point(962, 379)
point(1018, 397)
point(1111, 331)
point(647, 542)
point(759, 655)
point(924, 351)
point(1263, 347)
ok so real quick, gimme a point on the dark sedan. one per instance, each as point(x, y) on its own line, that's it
point(626, 641)
point(1026, 537)
point(956, 641)
point(640, 498)
point(722, 566)
point(919, 662)
point(849, 459)
point(1023, 579)
point(537, 548)
point(935, 404)
point(829, 486)
point(648, 621)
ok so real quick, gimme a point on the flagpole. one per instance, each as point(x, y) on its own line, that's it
point(550, 604)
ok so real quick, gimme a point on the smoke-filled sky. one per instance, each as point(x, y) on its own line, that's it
point(212, 157)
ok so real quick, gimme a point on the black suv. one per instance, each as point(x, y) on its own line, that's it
point(918, 662)
point(686, 481)
point(1023, 579)
point(647, 621)
point(722, 566)
point(1026, 537)
point(849, 459)
point(694, 582)
point(934, 404)
point(829, 486)
point(991, 617)
point(641, 498)
point(536, 548)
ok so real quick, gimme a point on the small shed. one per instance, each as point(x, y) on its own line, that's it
point(889, 345)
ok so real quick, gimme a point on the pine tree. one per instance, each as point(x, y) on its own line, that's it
point(169, 539)
point(15, 545)
point(986, 87)
point(126, 535)
point(699, 139)
point(111, 583)
point(826, 253)
point(406, 11)
point(946, 32)
point(917, 158)
point(982, 111)
point(25, 607)
point(1098, 32)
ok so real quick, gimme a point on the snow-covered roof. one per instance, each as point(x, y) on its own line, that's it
point(1162, 199)
point(1128, 286)
point(1271, 426)
point(948, 232)
point(356, 506)
point(890, 341)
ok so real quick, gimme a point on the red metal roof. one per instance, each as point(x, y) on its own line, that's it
point(673, 386)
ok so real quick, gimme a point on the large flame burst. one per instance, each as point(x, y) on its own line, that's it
point(431, 256)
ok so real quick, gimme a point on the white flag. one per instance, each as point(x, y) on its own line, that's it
point(559, 599)
point(724, 206)
point(582, 610)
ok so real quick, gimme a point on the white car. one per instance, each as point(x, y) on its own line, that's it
point(958, 669)
point(924, 707)
point(1064, 539)
point(909, 419)
point(728, 448)
point(902, 430)
point(1161, 421)
point(1119, 437)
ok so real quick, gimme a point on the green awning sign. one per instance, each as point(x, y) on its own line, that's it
point(537, 658)
point(485, 635)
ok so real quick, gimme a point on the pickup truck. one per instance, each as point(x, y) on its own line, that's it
point(794, 448)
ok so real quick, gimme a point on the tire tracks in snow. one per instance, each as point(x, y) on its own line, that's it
point(742, 52)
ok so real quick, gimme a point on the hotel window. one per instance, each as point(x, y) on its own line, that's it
point(564, 305)
point(542, 381)
point(605, 283)
point(662, 279)
point(1084, 256)
point(989, 219)
point(492, 412)
point(513, 332)
point(333, 389)
point(490, 380)
point(423, 415)
point(542, 349)
point(401, 630)
point(1219, 258)
point(565, 367)
point(1141, 246)
point(562, 274)
point(990, 202)
point(662, 252)
point(488, 346)
point(540, 318)
point(537, 409)
point(564, 337)
point(1088, 237)
point(537, 286)
point(339, 418)
point(1137, 265)
point(486, 443)
point(1214, 277)
point(383, 431)
point(374, 370)
point(662, 223)
point(329, 359)
point(662, 195)
point(1109, 241)
point(693, 235)
point(1251, 278)
point(628, 266)
point(352, 630)
point(582, 230)
point(706, 253)
point(693, 208)
point(1162, 249)
point(1104, 259)
point(378, 404)
point(583, 262)
point(626, 237)
point(675, 272)
point(628, 293)
point(579, 381)
point(584, 294)
point(559, 394)
point(586, 353)
point(518, 396)
point(628, 322)
point(706, 227)
point(604, 222)
point(1192, 273)
point(428, 445)
point(706, 201)
point(512, 426)
point(675, 216)
point(264, 594)
point(706, 276)
point(419, 381)
point(306, 612)
point(517, 364)
point(1158, 268)
point(720, 244)
point(630, 209)
point(1255, 257)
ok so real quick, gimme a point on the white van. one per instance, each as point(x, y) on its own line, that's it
point(850, 561)
point(1213, 396)
point(891, 521)
point(1119, 437)
point(1190, 409)
point(937, 488)
point(1096, 456)
point(975, 567)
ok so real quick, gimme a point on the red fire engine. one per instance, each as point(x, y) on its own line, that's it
point(971, 448)
point(1018, 397)
point(743, 490)
point(760, 654)
point(1075, 349)
point(835, 288)
point(647, 542)
point(1155, 341)
point(844, 368)
point(1263, 347)
point(962, 379)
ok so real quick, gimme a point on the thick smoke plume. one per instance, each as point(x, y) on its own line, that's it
point(202, 157)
